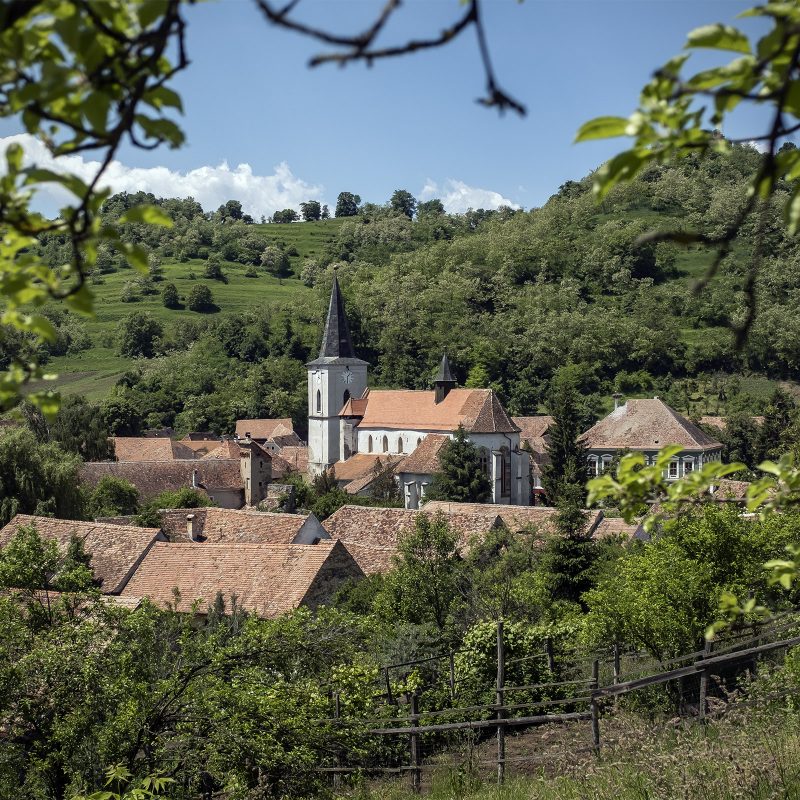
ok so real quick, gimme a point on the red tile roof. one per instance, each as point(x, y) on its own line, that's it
point(647, 425)
point(515, 518)
point(153, 477)
point(425, 458)
point(134, 448)
point(290, 459)
point(616, 526)
point(221, 525)
point(372, 534)
point(115, 549)
point(264, 428)
point(478, 410)
point(265, 579)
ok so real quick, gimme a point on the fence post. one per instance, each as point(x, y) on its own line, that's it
point(452, 677)
point(616, 662)
point(416, 772)
point(499, 698)
point(337, 712)
point(551, 661)
point(704, 682)
point(595, 707)
point(389, 697)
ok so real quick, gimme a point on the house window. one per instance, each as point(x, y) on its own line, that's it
point(319, 401)
point(688, 466)
point(673, 469)
point(593, 465)
point(385, 444)
point(346, 396)
point(369, 444)
point(606, 463)
point(505, 472)
point(399, 444)
point(419, 441)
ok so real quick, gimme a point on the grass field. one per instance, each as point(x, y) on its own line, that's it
point(93, 372)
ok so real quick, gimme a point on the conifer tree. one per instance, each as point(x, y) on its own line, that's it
point(567, 453)
point(461, 478)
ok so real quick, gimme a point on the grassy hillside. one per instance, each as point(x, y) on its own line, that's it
point(93, 372)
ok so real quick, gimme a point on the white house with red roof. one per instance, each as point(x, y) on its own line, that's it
point(346, 418)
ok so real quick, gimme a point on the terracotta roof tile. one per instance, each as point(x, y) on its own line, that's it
point(515, 518)
point(731, 490)
point(221, 525)
point(372, 534)
point(616, 526)
point(478, 410)
point(534, 434)
point(135, 448)
point(425, 458)
point(153, 477)
point(115, 549)
point(265, 579)
point(226, 449)
point(361, 465)
point(264, 428)
point(290, 459)
point(647, 425)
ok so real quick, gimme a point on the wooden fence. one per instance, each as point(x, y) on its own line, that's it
point(587, 706)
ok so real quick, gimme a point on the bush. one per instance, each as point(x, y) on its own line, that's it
point(129, 294)
point(113, 497)
point(169, 296)
point(139, 335)
point(200, 299)
point(213, 269)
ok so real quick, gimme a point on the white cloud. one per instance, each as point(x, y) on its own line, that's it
point(458, 197)
point(210, 186)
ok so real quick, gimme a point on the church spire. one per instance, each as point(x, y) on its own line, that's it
point(336, 342)
point(444, 380)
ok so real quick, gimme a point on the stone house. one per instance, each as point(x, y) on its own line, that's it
point(647, 426)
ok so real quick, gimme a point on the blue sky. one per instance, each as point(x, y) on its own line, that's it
point(250, 99)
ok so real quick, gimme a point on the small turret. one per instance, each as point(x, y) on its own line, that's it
point(444, 381)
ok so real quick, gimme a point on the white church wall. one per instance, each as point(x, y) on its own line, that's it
point(408, 439)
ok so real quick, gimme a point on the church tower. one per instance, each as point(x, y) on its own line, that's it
point(333, 378)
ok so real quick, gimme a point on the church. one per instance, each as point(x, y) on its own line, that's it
point(346, 419)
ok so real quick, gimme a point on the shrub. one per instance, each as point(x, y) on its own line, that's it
point(200, 299)
point(169, 296)
point(251, 272)
point(129, 294)
point(213, 269)
point(139, 335)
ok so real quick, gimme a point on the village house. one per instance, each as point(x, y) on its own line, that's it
point(647, 426)
point(115, 551)
point(346, 418)
point(233, 474)
point(271, 434)
point(534, 438)
point(263, 579)
point(224, 525)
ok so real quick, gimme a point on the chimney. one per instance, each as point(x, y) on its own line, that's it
point(190, 528)
point(617, 398)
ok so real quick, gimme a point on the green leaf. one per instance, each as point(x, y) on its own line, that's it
point(162, 97)
point(719, 37)
point(95, 109)
point(14, 157)
point(81, 301)
point(623, 167)
point(147, 214)
point(602, 128)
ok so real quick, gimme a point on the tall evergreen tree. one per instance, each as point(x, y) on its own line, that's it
point(461, 478)
point(567, 467)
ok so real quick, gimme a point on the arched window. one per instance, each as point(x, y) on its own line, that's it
point(606, 462)
point(399, 444)
point(505, 475)
point(483, 456)
point(385, 444)
point(593, 466)
point(346, 396)
point(419, 441)
point(319, 401)
point(369, 444)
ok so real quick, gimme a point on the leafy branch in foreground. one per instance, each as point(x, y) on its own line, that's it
point(679, 116)
point(81, 76)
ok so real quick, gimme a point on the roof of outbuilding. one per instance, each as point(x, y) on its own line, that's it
point(478, 410)
point(115, 550)
point(264, 428)
point(289, 459)
point(616, 526)
point(533, 432)
point(223, 525)
point(153, 477)
point(266, 579)
point(647, 425)
point(360, 465)
point(372, 535)
point(515, 518)
point(425, 458)
point(141, 448)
